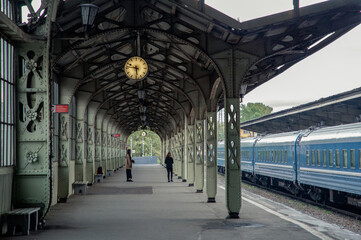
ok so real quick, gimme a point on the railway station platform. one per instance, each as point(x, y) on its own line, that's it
point(153, 208)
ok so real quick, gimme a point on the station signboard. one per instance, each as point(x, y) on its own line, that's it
point(61, 108)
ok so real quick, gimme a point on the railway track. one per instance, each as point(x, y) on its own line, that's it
point(347, 210)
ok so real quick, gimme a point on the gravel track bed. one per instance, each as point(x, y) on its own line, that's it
point(314, 211)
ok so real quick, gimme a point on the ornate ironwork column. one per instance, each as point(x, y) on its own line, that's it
point(175, 154)
point(98, 148)
point(185, 153)
point(32, 185)
point(232, 147)
point(191, 155)
point(211, 133)
point(181, 157)
point(79, 153)
point(199, 162)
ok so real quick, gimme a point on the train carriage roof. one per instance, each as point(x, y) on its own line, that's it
point(279, 139)
point(336, 134)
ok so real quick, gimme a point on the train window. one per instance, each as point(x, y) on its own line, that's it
point(308, 157)
point(282, 156)
point(353, 158)
point(274, 159)
point(278, 156)
point(293, 157)
point(359, 158)
point(324, 158)
point(273, 156)
point(338, 158)
point(267, 155)
point(344, 158)
point(313, 157)
point(330, 158)
point(318, 158)
point(264, 155)
point(285, 156)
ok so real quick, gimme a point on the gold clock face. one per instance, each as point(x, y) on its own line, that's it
point(136, 68)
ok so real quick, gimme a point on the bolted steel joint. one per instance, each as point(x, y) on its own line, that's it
point(31, 114)
point(31, 157)
point(31, 65)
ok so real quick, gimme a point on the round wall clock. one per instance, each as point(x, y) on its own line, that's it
point(136, 68)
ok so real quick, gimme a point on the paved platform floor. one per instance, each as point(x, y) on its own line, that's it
point(152, 208)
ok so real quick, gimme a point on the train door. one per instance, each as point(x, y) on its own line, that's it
point(296, 157)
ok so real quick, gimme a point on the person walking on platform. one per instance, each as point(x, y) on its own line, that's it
point(169, 164)
point(129, 163)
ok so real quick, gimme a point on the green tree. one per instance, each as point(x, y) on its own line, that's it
point(253, 111)
point(248, 112)
point(151, 138)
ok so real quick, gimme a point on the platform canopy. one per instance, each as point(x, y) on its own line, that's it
point(182, 42)
point(338, 109)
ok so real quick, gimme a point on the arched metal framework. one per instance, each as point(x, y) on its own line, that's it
point(199, 59)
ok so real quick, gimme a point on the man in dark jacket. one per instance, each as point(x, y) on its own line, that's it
point(169, 164)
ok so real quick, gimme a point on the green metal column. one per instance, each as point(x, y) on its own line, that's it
point(191, 155)
point(233, 64)
point(174, 154)
point(199, 162)
point(33, 166)
point(232, 153)
point(181, 158)
point(185, 154)
point(110, 145)
point(105, 139)
point(179, 163)
point(91, 135)
point(90, 167)
point(124, 150)
point(99, 143)
point(33, 178)
point(79, 163)
point(211, 134)
point(66, 170)
point(81, 136)
point(161, 151)
point(179, 135)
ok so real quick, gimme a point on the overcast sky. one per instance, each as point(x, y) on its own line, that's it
point(332, 70)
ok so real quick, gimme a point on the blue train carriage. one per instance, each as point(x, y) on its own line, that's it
point(275, 160)
point(221, 157)
point(330, 164)
point(247, 156)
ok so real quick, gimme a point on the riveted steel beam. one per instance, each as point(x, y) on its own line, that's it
point(199, 158)
point(211, 152)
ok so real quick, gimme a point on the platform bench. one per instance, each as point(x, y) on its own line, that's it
point(25, 218)
point(80, 187)
point(98, 178)
point(110, 173)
